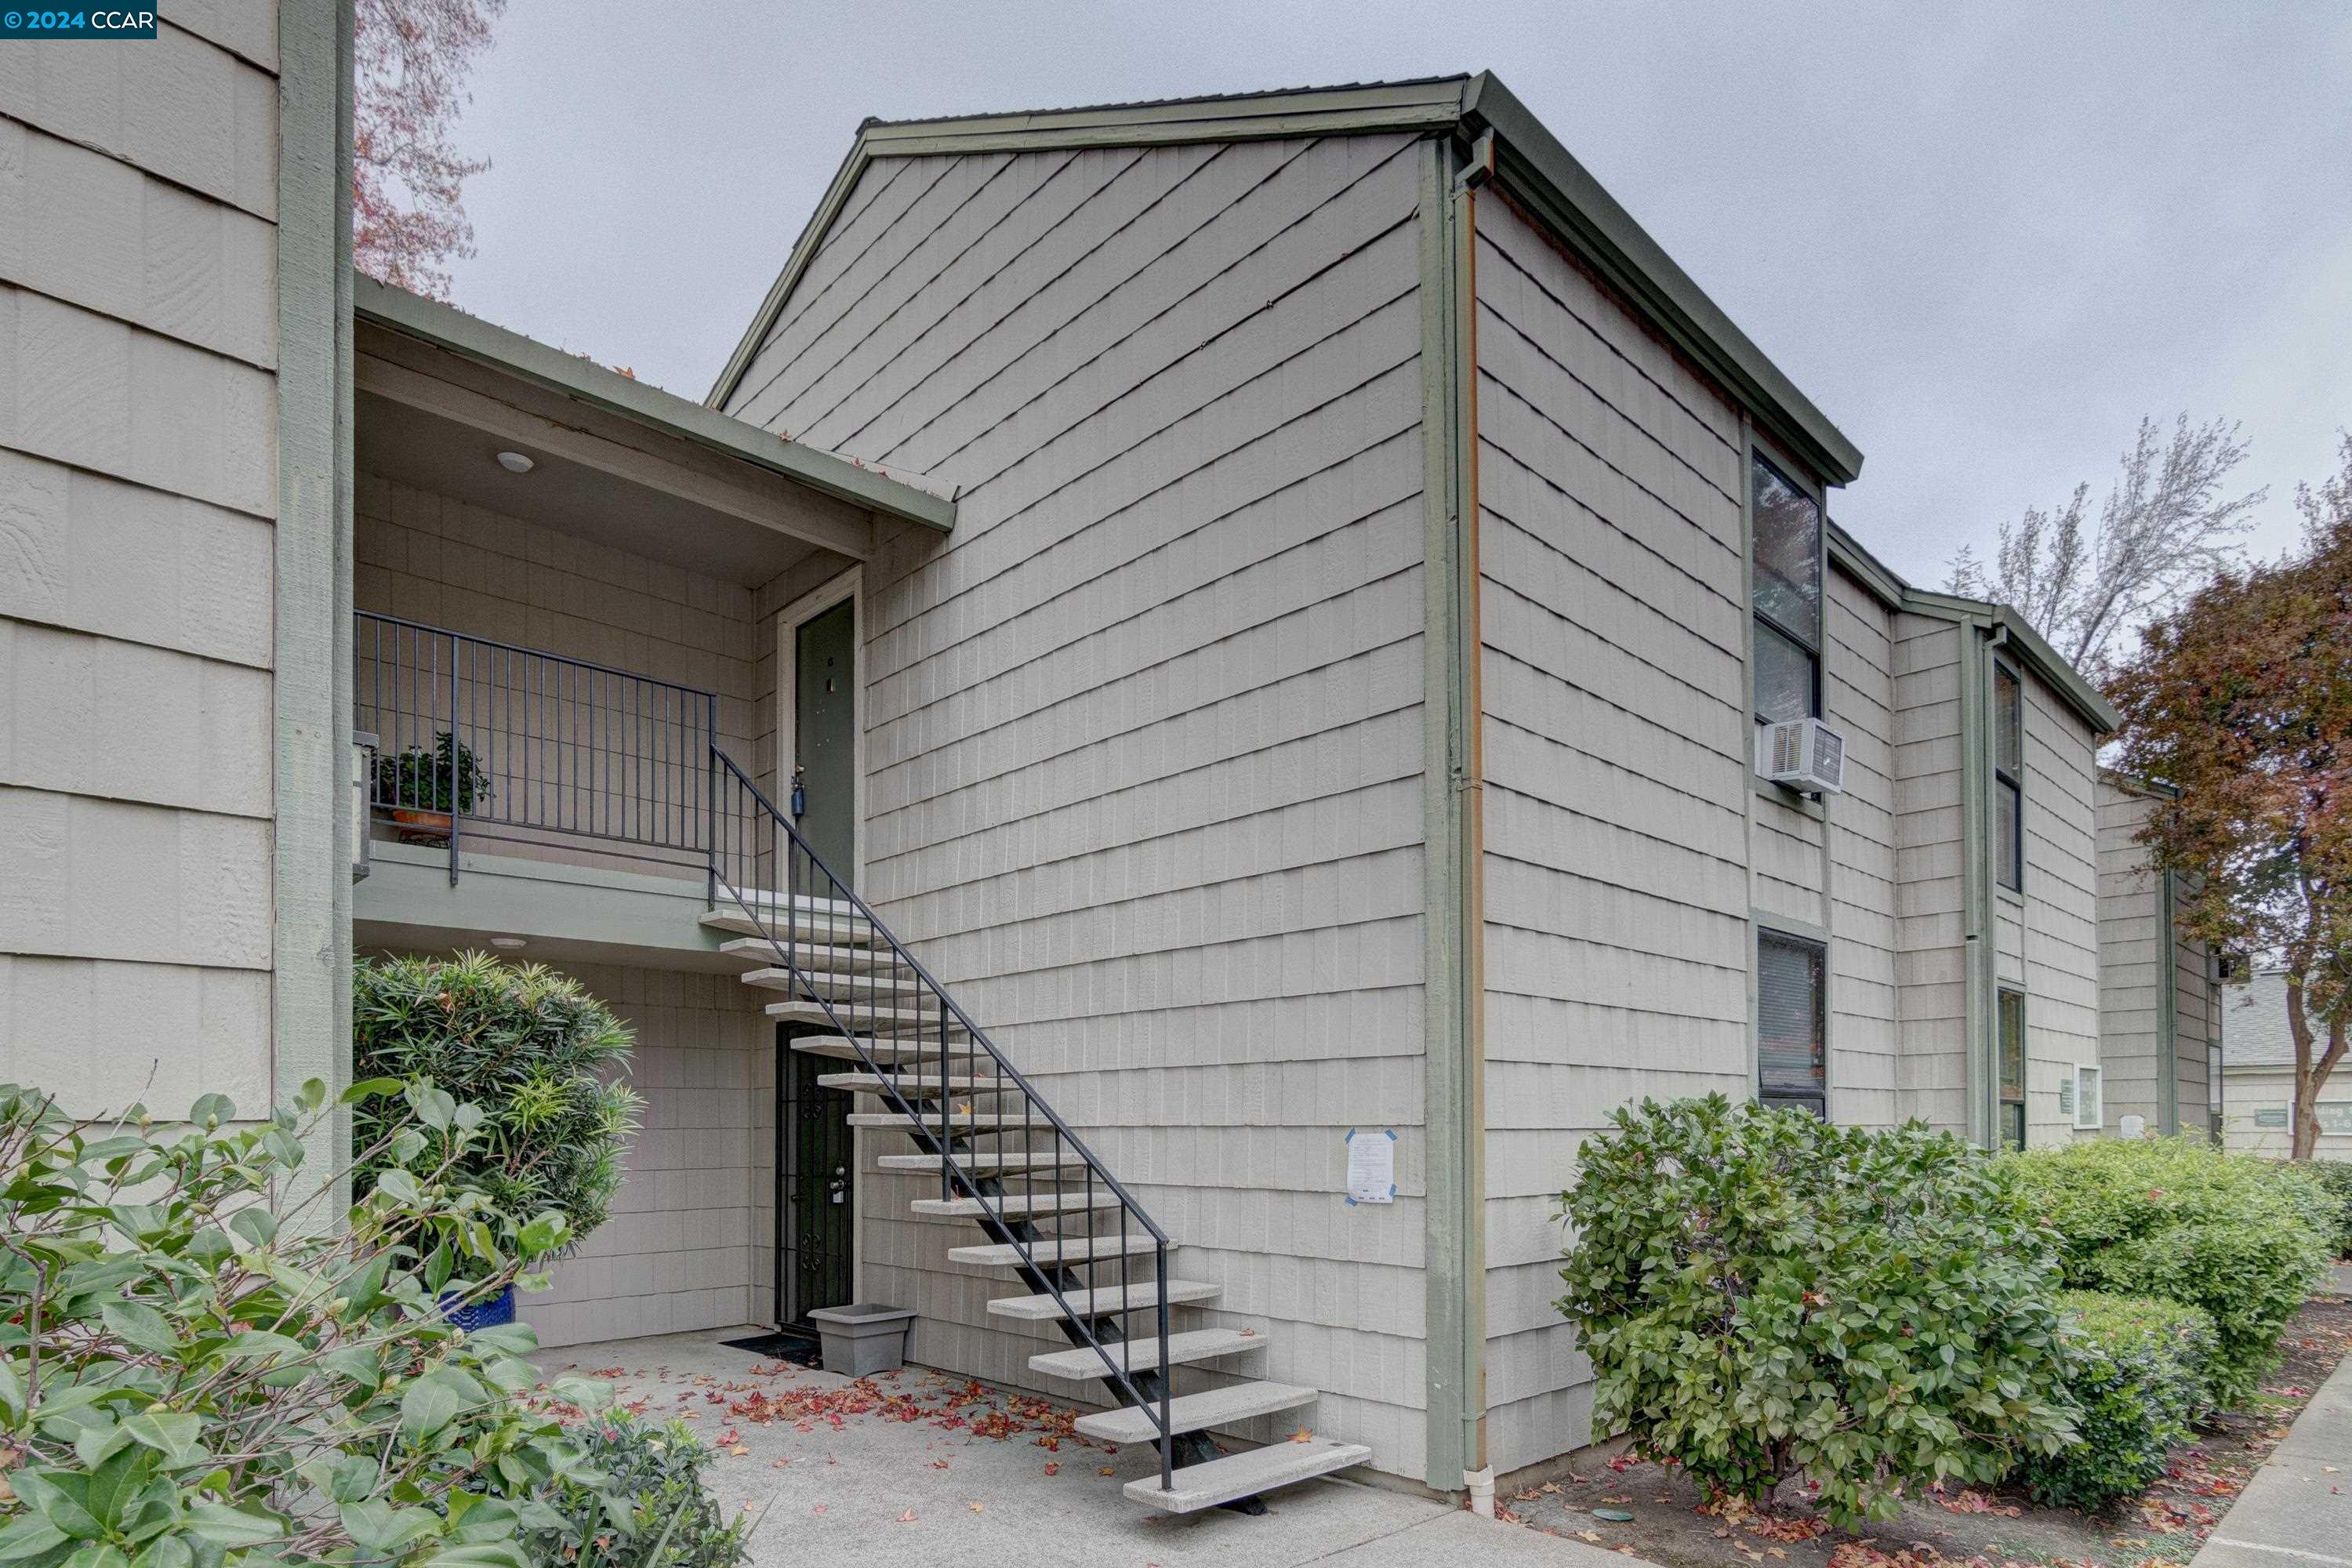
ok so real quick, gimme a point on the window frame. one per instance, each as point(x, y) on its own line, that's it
point(1816, 1099)
point(2004, 1100)
point(2097, 1078)
point(1815, 649)
point(2011, 874)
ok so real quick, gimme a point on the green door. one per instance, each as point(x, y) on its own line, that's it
point(816, 1166)
point(824, 727)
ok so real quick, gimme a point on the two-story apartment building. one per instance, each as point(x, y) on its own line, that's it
point(1190, 700)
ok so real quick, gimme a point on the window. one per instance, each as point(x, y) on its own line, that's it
point(1789, 1056)
point(1785, 588)
point(2012, 1069)
point(2088, 1108)
point(2009, 777)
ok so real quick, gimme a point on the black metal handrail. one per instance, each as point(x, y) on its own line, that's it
point(895, 1012)
point(519, 742)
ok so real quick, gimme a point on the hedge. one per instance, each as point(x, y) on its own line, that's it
point(2139, 1374)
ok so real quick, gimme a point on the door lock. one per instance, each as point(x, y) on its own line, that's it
point(800, 791)
point(839, 1185)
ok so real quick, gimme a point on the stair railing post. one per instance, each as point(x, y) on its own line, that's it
point(947, 1180)
point(710, 795)
point(1167, 1380)
point(456, 801)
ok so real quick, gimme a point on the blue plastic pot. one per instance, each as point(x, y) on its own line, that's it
point(487, 1314)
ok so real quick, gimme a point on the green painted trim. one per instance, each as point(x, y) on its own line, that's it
point(311, 929)
point(1453, 1059)
point(584, 381)
point(1847, 555)
point(1981, 1020)
point(2167, 1005)
point(1541, 175)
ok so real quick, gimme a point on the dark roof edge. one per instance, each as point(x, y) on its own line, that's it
point(584, 381)
point(1538, 171)
point(1533, 165)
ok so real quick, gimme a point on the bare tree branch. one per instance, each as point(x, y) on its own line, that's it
point(2164, 529)
point(408, 213)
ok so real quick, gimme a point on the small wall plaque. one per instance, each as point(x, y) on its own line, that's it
point(1372, 1167)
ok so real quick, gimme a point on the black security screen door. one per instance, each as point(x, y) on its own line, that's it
point(815, 1203)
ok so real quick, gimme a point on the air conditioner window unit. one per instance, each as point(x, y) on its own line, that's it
point(1803, 754)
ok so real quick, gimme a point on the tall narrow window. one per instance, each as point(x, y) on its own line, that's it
point(2009, 777)
point(2012, 1068)
point(1785, 588)
point(1789, 1056)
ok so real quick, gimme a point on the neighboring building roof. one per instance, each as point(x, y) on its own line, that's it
point(1529, 162)
point(577, 377)
point(2029, 647)
point(2255, 1030)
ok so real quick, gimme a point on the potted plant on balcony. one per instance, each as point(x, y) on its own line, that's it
point(423, 785)
point(543, 1061)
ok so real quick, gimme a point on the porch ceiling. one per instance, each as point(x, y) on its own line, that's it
point(418, 447)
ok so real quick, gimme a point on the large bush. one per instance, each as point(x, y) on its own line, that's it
point(538, 1054)
point(649, 1506)
point(196, 1368)
point(2323, 1190)
point(2139, 1376)
point(2180, 1220)
point(1763, 1294)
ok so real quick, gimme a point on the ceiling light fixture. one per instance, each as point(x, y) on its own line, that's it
point(508, 943)
point(516, 463)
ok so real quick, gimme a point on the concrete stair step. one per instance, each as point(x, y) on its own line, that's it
point(1106, 1302)
point(1142, 1354)
point(862, 988)
point(912, 1084)
point(1197, 1411)
point(838, 1047)
point(986, 1159)
point(1053, 1249)
point(909, 1024)
point(807, 925)
point(1246, 1475)
point(1013, 1206)
point(811, 956)
point(956, 1121)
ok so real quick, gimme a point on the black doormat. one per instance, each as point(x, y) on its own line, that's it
point(797, 1349)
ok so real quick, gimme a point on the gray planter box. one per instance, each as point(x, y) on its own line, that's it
point(863, 1338)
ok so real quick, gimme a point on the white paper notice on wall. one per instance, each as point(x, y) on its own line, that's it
point(1372, 1167)
point(2131, 1126)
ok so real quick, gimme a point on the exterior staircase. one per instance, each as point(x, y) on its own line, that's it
point(1079, 1252)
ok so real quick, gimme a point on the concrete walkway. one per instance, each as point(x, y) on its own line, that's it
point(2297, 1510)
point(915, 1468)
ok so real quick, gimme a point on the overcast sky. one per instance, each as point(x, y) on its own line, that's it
point(1985, 238)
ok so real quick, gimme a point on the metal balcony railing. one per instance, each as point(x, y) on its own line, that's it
point(484, 738)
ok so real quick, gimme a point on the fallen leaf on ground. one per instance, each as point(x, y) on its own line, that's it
point(1302, 1436)
point(1054, 1468)
point(908, 1517)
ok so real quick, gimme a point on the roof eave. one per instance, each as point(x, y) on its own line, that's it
point(584, 381)
point(1538, 171)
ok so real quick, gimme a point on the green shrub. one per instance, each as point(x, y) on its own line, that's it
point(2139, 1374)
point(1762, 1294)
point(649, 1506)
point(2323, 1190)
point(2180, 1220)
point(527, 1046)
point(197, 1368)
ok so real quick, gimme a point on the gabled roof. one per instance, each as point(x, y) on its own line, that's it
point(1530, 163)
point(584, 381)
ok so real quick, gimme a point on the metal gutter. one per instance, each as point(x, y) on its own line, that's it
point(1527, 161)
point(584, 381)
point(1453, 925)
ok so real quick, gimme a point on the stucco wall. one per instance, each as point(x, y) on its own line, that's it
point(1143, 736)
point(138, 491)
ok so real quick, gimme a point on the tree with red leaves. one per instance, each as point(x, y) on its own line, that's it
point(411, 60)
point(2241, 701)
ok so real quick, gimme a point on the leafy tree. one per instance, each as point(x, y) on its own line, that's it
point(410, 61)
point(2242, 700)
point(2165, 528)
